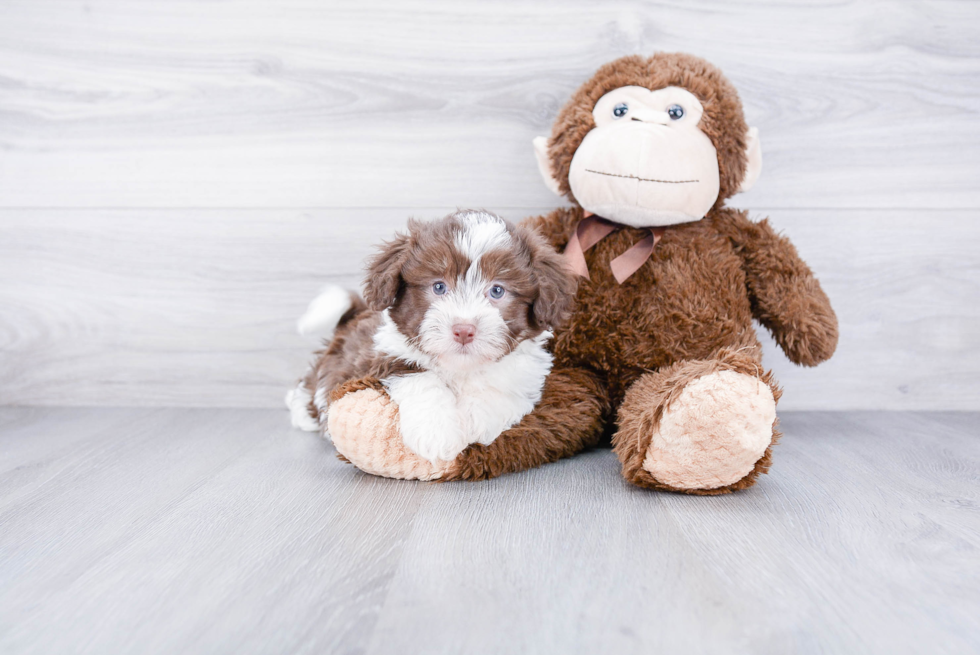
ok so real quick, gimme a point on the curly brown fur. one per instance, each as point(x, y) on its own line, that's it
point(686, 302)
point(568, 418)
point(695, 296)
point(698, 292)
point(786, 297)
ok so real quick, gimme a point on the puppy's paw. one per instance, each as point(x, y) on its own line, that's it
point(364, 425)
point(437, 443)
point(298, 401)
point(428, 417)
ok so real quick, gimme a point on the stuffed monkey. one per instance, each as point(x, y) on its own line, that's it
point(660, 356)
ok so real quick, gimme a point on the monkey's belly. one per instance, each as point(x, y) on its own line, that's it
point(677, 308)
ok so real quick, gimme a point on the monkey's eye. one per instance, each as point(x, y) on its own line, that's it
point(676, 112)
point(620, 110)
point(496, 292)
point(439, 288)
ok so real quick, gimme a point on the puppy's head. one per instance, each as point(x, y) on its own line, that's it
point(467, 289)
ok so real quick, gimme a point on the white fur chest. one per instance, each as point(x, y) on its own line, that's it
point(441, 412)
point(492, 399)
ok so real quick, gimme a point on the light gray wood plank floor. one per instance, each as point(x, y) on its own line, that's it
point(219, 531)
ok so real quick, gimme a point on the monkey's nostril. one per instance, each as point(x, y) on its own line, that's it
point(463, 333)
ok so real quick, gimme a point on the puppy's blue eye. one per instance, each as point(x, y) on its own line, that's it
point(676, 112)
point(439, 288)
point(496, 292)
point(620, 110)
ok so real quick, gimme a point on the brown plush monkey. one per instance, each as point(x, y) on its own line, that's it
point(660, 354)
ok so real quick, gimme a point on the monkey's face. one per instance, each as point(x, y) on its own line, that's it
point(646, 162)
point(648, 153)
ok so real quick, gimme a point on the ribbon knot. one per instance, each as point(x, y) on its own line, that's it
point(593, 229)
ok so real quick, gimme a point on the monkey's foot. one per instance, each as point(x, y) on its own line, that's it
point(713, 433)
point(699, 427)
point(363, 424)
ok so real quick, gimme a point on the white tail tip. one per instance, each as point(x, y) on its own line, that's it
point(324, 313)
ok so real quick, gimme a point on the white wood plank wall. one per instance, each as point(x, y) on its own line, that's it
point(178, 178)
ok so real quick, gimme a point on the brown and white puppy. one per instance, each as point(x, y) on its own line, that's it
point(457, 316)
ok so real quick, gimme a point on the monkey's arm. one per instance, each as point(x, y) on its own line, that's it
point(556, 227)
point(786, 297)
point(568, 419)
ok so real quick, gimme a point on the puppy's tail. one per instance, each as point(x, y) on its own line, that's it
point(328, 311)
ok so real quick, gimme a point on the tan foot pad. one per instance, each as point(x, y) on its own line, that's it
point(713, 433)
point(364, 428)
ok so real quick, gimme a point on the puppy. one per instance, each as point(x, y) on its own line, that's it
point(455, 321)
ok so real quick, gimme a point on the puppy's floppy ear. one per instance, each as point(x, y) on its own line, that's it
point(384, 279)
point(556, 283)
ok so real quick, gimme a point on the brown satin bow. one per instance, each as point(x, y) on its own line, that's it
point(591, 230)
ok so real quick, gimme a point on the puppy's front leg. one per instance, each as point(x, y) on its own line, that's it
point(428, 419)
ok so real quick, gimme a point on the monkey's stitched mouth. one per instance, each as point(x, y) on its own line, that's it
point(641, 179)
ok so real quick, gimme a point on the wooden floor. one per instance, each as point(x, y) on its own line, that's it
point(225, 531)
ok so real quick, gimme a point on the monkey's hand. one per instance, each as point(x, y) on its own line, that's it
point(786, 297)
point(800, 318)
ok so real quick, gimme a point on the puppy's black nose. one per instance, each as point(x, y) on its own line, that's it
point(463, 333)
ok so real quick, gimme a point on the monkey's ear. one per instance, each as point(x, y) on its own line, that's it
point(384, 279)
point(753, 159)
point(544, 164)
